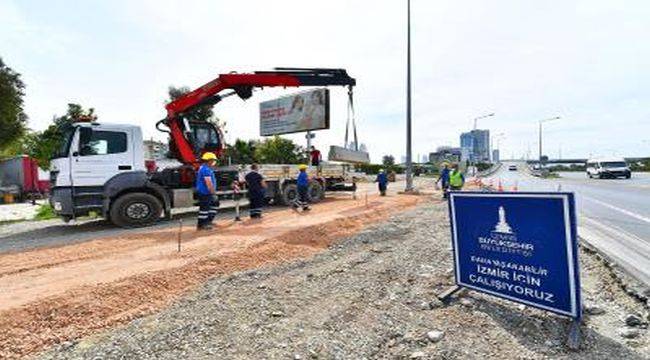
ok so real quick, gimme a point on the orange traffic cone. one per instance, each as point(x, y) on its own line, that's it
point(500, 186)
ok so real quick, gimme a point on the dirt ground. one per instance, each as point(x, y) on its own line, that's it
point(51, 295)
point(369, 296)
point(353, 278)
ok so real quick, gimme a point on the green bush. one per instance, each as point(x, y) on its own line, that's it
point(373, 169)
point(45, 212)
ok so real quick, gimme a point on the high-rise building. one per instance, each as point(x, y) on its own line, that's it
point(467, 146)
point(495, 156)
point(476, 145)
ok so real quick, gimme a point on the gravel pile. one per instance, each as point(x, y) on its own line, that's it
point(372, 295)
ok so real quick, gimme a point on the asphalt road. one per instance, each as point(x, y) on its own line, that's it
point(613, 214)
point(27, 235)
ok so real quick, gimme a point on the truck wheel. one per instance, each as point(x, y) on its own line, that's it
point(289, 194)
point(135, 209)
point(315, 192)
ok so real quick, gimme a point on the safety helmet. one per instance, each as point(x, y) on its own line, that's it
point(381, 170)
point(302, 167)
point(207, 156)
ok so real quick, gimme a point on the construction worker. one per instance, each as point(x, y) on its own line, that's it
point(256, 189)
point(302, 200)
point(382, 182)
point(206, 188)
point(456, 178)
point(443, 179)
point(315, 156)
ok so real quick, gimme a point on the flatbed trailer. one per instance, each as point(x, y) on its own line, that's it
point(281, 181)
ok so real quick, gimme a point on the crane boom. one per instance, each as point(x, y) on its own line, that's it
point(181, 130)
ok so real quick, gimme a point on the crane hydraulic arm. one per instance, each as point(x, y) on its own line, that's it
point(182, 131)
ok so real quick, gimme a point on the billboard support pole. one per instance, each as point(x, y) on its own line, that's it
point(309, 147)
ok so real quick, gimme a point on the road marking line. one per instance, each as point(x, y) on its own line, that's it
point(626, 212)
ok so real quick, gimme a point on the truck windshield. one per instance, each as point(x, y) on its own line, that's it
point(613, 164)
point(63, 149)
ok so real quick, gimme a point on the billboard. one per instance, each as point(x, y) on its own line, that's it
point(518, 246)
point(304, 111)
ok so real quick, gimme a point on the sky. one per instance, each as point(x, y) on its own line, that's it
point(585, 61)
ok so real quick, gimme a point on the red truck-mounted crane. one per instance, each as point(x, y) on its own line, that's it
point(100, 166)
point(186, 147)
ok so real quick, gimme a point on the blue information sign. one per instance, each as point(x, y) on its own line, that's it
point(519, 246)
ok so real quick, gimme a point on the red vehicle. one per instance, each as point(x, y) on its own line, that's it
point(19, 177)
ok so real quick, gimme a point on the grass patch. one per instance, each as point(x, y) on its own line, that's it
point(45, 212)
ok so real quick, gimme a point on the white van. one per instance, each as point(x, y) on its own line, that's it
point(608, 168)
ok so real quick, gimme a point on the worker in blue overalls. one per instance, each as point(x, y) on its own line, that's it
point(443, 179)
point(206, 189)
point(302, 200)
point(382, 182)
point(256, 189)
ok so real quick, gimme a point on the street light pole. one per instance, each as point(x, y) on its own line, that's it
point(472, 159)
point(409, 164)
point(540, 136)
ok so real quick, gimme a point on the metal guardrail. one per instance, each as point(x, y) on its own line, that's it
point(489, 171)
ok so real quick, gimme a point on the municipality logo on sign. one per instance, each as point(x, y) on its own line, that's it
point(503, 239)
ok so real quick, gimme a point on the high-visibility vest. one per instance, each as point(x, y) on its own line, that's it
point(455, 179)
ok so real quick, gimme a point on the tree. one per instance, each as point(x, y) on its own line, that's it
point(199, 113)
point(277, 150)
point(388, 160)
point(242, 151)
point(13, 119)
point(43, 145)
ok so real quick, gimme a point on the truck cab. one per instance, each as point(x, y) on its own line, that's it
point(96, 167)
point(608, 168)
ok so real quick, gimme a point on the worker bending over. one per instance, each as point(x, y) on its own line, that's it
point(206, 188)
point(303, 188)
point(382, 182)
point(256, 191)
point(456, 178)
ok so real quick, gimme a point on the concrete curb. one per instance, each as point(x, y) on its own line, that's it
point(628, 283)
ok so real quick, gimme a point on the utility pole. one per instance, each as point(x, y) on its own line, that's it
point(409, 164)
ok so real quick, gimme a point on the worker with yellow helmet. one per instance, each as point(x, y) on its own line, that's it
point(206, 188)
point(302, 200)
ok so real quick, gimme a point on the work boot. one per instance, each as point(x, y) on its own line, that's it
point(306, 208)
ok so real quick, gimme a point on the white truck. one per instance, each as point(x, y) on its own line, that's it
point(101, 168)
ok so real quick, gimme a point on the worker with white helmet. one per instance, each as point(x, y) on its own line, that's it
point(206, 188)
point(302, 200)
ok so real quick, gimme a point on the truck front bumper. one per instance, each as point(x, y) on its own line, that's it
point(61, 201)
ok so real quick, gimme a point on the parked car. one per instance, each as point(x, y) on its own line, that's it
point(608, 168)
point(512, 168)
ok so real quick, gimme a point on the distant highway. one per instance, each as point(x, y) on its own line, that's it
point(613, 214)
